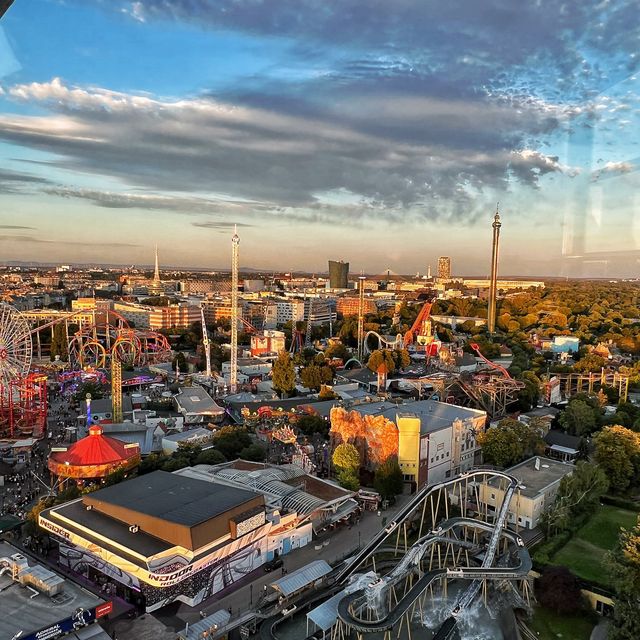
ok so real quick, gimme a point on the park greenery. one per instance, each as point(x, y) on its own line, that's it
point(623, 565)
point(617, 452)
point(284, 374)
point(511, 441)
point(577, 499)
point(346, 460)
point(387, 480)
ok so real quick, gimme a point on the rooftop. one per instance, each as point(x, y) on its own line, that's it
point(535, 480)
point(21, 611)
point(171, 497)
point(433, 415)
point(196, 400)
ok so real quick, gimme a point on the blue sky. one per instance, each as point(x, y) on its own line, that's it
point(382, 133)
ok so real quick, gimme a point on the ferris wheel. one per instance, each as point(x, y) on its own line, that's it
point(15, 345)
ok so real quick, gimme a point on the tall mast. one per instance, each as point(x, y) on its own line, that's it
point(493, 285)
point(233, 380)
point(361, 317)
point(205, 343)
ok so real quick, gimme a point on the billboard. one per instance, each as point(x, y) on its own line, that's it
point(79, 619)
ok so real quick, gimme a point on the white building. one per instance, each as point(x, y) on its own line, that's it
point(539, 482)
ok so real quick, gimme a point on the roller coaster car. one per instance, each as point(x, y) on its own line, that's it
point(454, 572)
point(520, 541)
point(456, 610)
point(436, 532)
point(289, 610)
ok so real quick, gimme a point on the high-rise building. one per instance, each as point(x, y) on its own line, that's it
point(338, 274)
point(444, 268)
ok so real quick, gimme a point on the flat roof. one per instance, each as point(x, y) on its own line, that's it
point(433, 415)
point(302, 577)
point(534, 481)
point(114, 530)
point(171, 497)
point(21, 611)
point(196, 400)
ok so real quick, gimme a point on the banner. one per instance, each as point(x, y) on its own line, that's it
point(78, 620)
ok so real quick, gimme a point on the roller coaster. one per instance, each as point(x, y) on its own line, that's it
point(477, 549)
point(446, 534)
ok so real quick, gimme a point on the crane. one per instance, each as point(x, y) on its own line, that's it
point(205, 343)
point(422, 317)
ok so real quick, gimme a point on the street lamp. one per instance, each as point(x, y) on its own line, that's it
point(251, 594)
point(359, 540)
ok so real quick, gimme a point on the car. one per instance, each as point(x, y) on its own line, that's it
point(274, 564)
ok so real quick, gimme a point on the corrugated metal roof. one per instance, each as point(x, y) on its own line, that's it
point(326, 615)
point(302, 578)
point(215, 621)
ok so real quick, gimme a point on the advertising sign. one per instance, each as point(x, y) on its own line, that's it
point(79, 619)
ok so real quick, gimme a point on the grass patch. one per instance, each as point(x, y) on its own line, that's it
point(584, 553)
point(550, 626)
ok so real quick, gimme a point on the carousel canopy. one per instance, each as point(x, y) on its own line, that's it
point(94, 456)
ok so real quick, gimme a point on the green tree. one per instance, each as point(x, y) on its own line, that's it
point(311, 377)
point(401, 358)
point(617, 451)
point(59, 345)
point(579, 418)
point(348, 479)
point(338, 350)
point(230, 441)
point(590, 362)
point(510, 441)
point(283, 374)
point(254, 453)
point(387, 480)
point(578, 496)
point(346, 458)
point(210, 456)
point(313, 424)
point(381, 356)
point(559, 590)
point(623, 565)
point(181, 361)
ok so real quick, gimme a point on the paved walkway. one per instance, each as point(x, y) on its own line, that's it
point(341, 543)
point(601, 630)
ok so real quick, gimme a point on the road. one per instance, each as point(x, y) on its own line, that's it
point(341, 543)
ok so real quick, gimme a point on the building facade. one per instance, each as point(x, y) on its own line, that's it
point(433, 440)
point(444, 268)
point(338, 274)
point(539, 483)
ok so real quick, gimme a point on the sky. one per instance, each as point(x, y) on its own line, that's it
point(381, 133)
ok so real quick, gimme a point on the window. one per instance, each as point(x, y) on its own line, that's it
point(493, 496)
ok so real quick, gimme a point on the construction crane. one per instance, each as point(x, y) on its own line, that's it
point(416, 327)
point(205, 343)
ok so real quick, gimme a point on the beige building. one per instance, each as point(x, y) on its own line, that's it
point(539, 482)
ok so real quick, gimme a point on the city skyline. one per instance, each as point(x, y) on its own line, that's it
point(381, 135)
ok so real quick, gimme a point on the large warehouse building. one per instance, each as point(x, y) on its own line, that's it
point(164, 536)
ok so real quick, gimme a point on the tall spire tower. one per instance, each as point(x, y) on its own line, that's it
point(233, 379)
point(156, 285)
point(493, 285)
